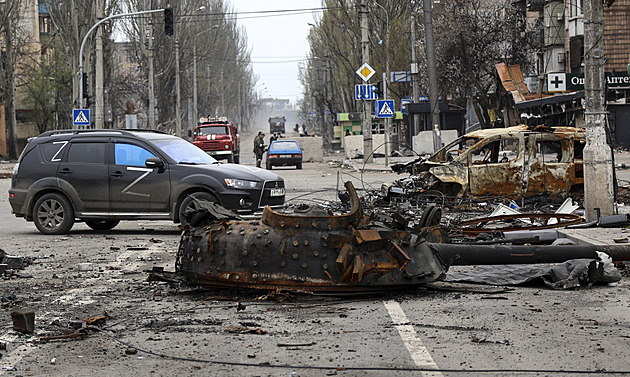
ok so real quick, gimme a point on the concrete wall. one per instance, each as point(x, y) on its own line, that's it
point(353, 143)
point(423, 141)
point(312, 148)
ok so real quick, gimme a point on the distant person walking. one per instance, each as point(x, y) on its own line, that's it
point(259, 147)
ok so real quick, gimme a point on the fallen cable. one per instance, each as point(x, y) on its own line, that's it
point(339, 368)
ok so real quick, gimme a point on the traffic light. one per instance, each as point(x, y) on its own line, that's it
point(378, 89)
point(168, 21)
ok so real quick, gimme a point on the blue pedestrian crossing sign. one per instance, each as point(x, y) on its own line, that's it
point(81, 117)
point(384, 108)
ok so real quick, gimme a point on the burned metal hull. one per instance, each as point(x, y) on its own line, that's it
point(309, 251)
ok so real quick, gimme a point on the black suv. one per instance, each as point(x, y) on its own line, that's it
point(104, 176)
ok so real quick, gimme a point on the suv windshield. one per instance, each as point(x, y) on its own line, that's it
point(184, 152)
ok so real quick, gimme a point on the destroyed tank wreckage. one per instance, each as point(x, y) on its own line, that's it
point(309, 250)
point(314, 250)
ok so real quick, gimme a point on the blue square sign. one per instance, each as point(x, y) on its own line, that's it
point(384, 108)
point(81, 117)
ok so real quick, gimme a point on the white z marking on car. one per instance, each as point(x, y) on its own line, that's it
point(63, 144)
point(126, 189)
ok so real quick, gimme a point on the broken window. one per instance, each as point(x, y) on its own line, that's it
point(454, 149)
point(496, 152)
point(550, 151)
point(578, 149)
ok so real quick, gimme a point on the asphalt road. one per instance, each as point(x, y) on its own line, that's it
point(157, 329)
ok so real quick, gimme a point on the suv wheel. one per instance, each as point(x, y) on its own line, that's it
point(53, 214)
point(101, 224)
point(191, 202)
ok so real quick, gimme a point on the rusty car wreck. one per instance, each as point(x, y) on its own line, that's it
point(307, 250)
point(515, 162)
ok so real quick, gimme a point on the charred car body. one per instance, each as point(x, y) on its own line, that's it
point(515, 162)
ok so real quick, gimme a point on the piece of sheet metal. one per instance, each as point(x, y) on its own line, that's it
point(562, 219)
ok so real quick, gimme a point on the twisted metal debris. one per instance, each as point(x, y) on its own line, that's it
point(309, 250)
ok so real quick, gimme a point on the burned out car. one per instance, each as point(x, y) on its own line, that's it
point(514, 162)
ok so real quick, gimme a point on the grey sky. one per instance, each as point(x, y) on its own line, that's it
point(277, 43)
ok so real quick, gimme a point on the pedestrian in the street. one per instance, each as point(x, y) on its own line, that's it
point(274, 137)
point(259, 147)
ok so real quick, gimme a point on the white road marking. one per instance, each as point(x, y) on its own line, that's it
point(14, 356)
point(416, 348)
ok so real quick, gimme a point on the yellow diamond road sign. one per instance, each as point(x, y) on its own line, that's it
point(366, 72)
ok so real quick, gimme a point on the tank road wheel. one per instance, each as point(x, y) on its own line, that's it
point(53, 214)
point(191, 202)
point(102, 224)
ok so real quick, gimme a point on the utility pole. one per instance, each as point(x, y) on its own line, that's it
point(98, 90)
point(178, 119)
point(151, 109)
point(12, 145)
point(388, 121)
point(598, 162)
point(432, 73)
point(367, 108)
point(414, 73)
point(195, 110)
point(222, 96)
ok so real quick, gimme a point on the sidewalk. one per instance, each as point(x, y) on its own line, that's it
point(6, 169)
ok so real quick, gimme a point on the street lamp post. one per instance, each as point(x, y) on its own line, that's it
point(178, 119)
point(96, 25)
point(386, 82)
point(195, 109)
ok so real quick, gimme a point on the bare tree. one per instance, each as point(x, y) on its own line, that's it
point(9, 17)
point(475, 35)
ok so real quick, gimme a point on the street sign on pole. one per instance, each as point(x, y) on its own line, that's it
point(403, 105)
point(384, 108)
point(365, 72)
point(81, 117)
point(365, 92)
point(400, 76)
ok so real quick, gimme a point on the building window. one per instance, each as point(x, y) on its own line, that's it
point(45, 26)
point(576, 8)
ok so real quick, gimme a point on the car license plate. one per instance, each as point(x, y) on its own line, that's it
point(285, 155)
point(277, 192)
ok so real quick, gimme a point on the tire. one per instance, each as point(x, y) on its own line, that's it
point(237, 159)
point(299, 166)
point(190, 201)
point(268, 166)
point(230, 159)
point(53, 214)
point(102, 224)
